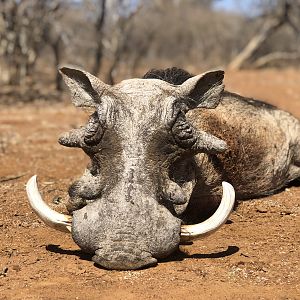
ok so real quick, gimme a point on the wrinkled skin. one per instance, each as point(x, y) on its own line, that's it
point(156, 162)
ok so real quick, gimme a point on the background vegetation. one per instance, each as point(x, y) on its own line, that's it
point(117, 39)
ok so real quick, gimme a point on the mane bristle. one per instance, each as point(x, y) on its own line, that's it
point(172, 75)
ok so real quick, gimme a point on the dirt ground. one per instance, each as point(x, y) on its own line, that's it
point(255, 256)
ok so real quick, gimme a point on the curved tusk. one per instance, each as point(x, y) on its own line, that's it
point(49, 216)
point(191, 232)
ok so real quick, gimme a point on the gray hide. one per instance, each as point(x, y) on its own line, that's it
point(158, 156)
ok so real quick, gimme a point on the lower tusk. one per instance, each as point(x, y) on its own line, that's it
point(49, 216)
point(191, 232)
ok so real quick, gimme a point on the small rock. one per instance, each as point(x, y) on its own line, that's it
point(4, 271)
point(17, 268)
point(48, 182)
point(285, 213)
point(57, 200)
point(245, 255)
point(261, 210)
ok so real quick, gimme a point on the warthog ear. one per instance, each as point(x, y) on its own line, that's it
point(85, 88)
point(203, 90)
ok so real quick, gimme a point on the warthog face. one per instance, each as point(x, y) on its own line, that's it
point(126, 207)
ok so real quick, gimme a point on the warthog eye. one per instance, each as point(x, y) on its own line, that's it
point(94, 130)
point(183, 132)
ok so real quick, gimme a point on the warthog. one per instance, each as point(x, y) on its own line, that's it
point(160, 148)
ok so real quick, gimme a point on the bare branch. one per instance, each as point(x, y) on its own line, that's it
point(275, 57)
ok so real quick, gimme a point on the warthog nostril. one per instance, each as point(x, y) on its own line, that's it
point(119, 260)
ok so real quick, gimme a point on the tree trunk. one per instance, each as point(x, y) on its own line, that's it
point(267, 30)
point(99, 31)
point(56, 47)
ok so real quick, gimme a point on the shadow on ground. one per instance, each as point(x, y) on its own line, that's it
point(177, 256)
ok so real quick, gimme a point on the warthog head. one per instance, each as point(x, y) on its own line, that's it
point(126, 207)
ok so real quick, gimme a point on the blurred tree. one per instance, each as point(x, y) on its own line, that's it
point(26, 26)
point(192, 33)
point(116, 42)
point(122, 38)
point(99, 28)
point(276, 14)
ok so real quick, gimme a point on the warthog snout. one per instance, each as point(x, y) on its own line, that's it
point(123, 235)
point(127, 258)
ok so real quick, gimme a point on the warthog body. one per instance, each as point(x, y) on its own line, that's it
point(160, 148)
point(263, 152)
